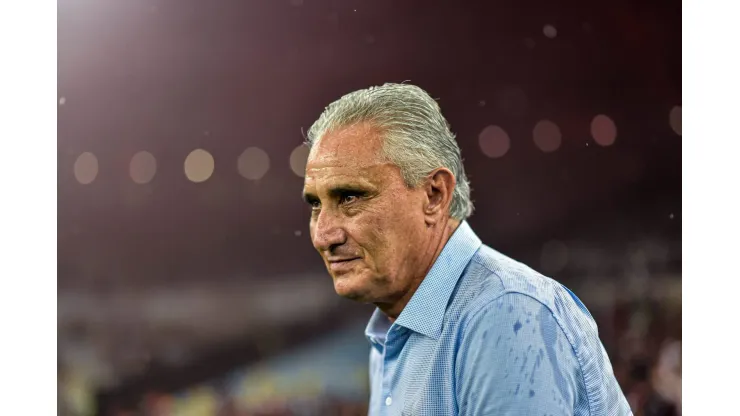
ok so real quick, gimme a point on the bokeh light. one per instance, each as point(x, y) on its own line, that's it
point(603, 130)
point(199, 166)
point(253, 163)
point(86, 168)
point(547, 136)
point(550, 31)
point(675, 119)
point(494, 142)
point(143, 167)
point(298, 158)
point(554, 256)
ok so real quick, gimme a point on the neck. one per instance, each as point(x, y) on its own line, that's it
point(441, 234)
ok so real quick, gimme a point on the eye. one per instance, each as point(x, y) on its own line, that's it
point(313, 202)
point(348, 199)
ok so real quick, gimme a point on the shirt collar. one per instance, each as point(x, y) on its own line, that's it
point(425, 311)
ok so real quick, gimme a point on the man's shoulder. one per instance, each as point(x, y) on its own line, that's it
point(510, 318)
point(492, 275)
point(495, 285)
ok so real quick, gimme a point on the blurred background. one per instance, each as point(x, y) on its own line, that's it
point(187, 283)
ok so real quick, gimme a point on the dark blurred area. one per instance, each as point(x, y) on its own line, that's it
point(187, 283)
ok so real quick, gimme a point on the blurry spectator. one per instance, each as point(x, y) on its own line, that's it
point(666, 381)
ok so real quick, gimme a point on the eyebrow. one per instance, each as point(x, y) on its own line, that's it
point(309, 197)
point(339, 190)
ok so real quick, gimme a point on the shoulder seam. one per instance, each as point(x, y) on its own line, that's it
point(475, 260)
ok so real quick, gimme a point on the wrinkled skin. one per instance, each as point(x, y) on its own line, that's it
point(377, 237)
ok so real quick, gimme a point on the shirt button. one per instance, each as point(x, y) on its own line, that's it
point(388, 401)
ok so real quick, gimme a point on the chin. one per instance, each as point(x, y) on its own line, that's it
point(352, 286)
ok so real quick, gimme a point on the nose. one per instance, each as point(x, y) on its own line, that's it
point(327, 232)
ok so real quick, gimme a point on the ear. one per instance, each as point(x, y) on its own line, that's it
point(438, 186)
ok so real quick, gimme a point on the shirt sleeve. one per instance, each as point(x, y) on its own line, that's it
point(514, 359)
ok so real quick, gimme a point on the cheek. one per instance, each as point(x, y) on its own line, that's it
point(366, 231)
point(384, 236)
point(382, 231)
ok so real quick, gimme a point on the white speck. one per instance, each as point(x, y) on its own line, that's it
point(355, 10)
point(482, 103)
point(297, 233)
point(671, 216)
point(586, 144)
point(388, 401)
point(62, 101)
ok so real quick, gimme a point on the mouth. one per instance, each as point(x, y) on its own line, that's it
point(344, 265)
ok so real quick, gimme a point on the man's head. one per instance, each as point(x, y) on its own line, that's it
point(385, 180)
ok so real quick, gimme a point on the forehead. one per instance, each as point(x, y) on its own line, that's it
point(358, 145)
point(349, 154)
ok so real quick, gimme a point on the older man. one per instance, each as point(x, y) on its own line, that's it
point(459, 328)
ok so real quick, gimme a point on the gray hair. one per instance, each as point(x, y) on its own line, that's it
point(417, 136)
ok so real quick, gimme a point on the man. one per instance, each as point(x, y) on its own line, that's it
point(459, 328)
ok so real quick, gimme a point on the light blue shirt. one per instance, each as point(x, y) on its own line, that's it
point(486, 335)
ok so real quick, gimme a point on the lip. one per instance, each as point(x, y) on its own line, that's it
point(341, 265)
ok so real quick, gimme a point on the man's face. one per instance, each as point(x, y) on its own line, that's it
point(366, 223)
